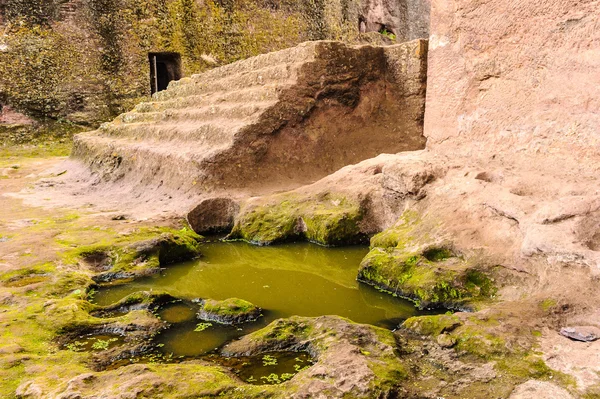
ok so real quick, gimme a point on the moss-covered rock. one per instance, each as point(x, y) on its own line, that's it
point(450, 284)
point(327, 220)
point(371, 367)
point(139, 254)
point(408, 262)
point(228, 311)
point(142, 300)
point(432, 325)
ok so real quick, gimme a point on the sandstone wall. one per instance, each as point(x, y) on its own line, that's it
point(514, 77)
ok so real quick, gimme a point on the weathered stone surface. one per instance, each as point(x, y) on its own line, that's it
point(539, 390)
point(406, 19)
point(213, 215)
point(353, 360)
point(274, 120)
point(517, 77)
point(344, 208)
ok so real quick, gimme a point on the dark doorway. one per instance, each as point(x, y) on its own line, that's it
point(164, 68)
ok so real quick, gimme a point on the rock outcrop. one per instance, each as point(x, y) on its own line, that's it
point(275, 120)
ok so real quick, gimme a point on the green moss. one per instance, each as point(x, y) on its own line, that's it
point(399, 235)
point(29, 275)
point(403, 261)
point(480, 342)
point(428, 283)
point(229, 307)
point(438, 254)
point(547, 304)
point(140, 252)
point(432, 325)
point(283, 330)
point(267, 224)
point(150, 299)
point(592, 392)
point(328, 220)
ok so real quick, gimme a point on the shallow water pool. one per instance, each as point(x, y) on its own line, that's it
point(285, 280)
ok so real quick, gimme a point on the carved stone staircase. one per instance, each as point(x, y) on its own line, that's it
point(276, 120)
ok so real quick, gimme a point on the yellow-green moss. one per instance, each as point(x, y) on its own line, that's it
point(228, 307)
point(431, 325)
point(406, 261)
point(140, 252)
point(328, 220)
point(428, 283)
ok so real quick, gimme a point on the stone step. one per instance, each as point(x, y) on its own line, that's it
point(234, 97)
point(302, 53)
point(210, 132)
point(175, 164)
point(202, 84)
point(228, 111)
point(134, 149)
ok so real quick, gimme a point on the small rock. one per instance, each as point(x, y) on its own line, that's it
point(119, 217)
point(581, 333)
point(446, 341)
point(230, 311)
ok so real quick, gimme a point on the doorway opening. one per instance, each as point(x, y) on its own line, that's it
point(164, 68)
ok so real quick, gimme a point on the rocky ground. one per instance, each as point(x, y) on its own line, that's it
point(516, 264)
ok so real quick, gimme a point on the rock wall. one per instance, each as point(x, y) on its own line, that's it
point(406, 19)
point(514, 79)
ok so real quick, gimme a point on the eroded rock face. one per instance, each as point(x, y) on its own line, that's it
point(519, 77)
point(344, 208)
point(406, 19)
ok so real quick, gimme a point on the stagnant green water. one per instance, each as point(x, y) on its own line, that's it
point(285, 280)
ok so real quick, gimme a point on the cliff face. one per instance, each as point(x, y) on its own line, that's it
point(514, 77)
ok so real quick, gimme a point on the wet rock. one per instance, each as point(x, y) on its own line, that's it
point(141, 300)
point(347, 355)
point(229, 311)
point(141, 258)
point(329, 219)
point(581, 333)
